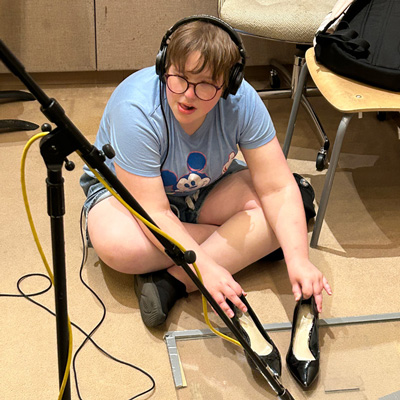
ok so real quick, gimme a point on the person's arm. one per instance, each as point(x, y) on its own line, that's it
point(282, 205)
point(150, 194)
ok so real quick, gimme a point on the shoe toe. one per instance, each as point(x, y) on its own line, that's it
point(304, 372)
point(310, 373)
point(273, 360)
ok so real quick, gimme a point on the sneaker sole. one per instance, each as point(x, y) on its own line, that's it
point(149, 303)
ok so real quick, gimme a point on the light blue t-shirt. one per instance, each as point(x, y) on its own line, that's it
point(133, 123)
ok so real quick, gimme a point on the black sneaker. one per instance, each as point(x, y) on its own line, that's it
point(157, 292)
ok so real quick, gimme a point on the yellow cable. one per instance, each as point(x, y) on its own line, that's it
point(26, 202)
point(133, 212)
point(46, 264)
point(159, 231)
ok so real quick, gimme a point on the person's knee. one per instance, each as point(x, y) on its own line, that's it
point(123, 256)
point(116, 237)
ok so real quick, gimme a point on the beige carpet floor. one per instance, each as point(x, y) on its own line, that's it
point(359, 252)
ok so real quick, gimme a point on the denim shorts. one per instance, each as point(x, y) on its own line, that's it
point(186, 208)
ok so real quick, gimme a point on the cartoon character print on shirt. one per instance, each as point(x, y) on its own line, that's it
point(230, 159)
point(194, 180)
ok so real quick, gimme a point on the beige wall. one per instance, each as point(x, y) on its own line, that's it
point(49, 35)
point(129, 33)
point(104, 35)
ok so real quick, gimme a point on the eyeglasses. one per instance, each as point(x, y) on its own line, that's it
point(204, 91)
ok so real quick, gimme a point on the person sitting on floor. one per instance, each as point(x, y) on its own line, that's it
point(176, 130)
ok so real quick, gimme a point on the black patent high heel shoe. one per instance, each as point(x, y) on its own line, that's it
point(259, 341)
point(303, 355)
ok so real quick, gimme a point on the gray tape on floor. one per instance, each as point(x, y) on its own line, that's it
point(393, 396)
point(171, 337)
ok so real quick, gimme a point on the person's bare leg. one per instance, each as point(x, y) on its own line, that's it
point(243, 238)
point(235, 234)
point(121, 244)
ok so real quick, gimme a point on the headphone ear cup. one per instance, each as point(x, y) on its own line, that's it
point(235, 80)
point(160, 62)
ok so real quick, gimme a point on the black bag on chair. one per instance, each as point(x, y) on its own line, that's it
point(360, 39)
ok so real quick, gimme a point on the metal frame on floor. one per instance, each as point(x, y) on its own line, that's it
point(172, 337)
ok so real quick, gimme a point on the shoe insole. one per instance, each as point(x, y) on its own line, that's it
point(258, 343)
point(304, 324)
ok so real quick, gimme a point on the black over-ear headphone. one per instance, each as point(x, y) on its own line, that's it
point(236, 74)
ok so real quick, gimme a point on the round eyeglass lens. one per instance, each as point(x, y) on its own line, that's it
point(205, 91)
point(177, 84)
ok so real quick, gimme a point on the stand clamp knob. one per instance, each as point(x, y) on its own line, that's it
point(69, 165)
point(46, 127)
point(190, 256)
point(108, 151)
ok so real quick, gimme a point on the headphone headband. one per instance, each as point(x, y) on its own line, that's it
point(236, 74)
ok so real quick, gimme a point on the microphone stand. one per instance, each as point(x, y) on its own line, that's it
point(55, 148)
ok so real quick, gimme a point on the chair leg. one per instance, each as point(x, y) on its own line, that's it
point(329, 178)
point(295, 108)
point(300, 98)
point(322, 135)
point(298, 63)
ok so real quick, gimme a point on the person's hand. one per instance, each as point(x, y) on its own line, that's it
point(308, 280)
point(221, 285)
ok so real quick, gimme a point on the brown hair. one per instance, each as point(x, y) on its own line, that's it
point(218, 51)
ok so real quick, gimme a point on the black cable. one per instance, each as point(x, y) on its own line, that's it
point(88, 337)
point(30, 294)
point(166, 123)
